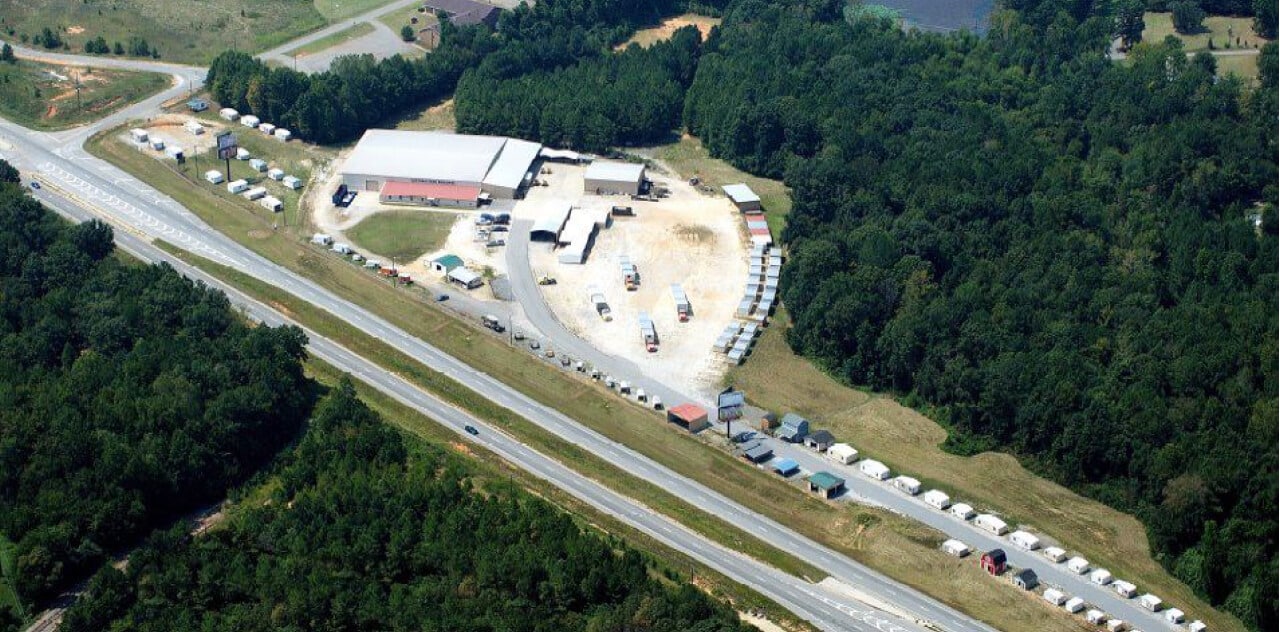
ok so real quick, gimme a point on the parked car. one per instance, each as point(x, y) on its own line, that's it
point(440, 298)
point(535, 345)
point(471, 430)
point(502, 219)
point(35, 185)
point(500, 229)
point(546, 280)
point(517, 334)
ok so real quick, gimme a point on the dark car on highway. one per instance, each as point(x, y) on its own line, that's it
point(35, 185)
point(471, 429)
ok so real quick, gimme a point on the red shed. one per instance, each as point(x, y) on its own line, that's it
point(994, 561)
point(691, 416)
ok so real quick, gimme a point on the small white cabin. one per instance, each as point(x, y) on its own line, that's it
point(173, 151)
point(1055, 553)
point(1117, 625)
point(1024, 540)
point(271, 204)
point(256, 193)
point(242, 153)
point(1055, 596)
point(213, 176)
point(321, 239)
point(237, 186)
point(1174, 616)
point(250, 120)
point(937, 499)
point(1150, 602)
point(1101, 577)
point(1078, 565)
point(842, 453)
point(258, 164)
point(988, 522)
point(962, 511)
point(282, 134)
point(275, 174)
point(955, 548)
point(874, 469)
point(1124, 588)
point(1095, 617)
point(293, 182)
point(266, 128)
point(343, 249)
point(907, 485)
point(1074, 605)
point(194, 127)
point(229, 114)
point(138, 135)
point(1197, 626)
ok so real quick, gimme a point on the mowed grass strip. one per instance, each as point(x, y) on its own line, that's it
point(43, 96)
point(493, 470)
point(842, 527)
point(1223, 30)
point(403, 235)
point(333, 39)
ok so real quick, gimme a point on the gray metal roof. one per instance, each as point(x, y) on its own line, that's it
point(740, 193)
point(463, 275)
point(615, 171)
point(424, 155)
point(512, 163)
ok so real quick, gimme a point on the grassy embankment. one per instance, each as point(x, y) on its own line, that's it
point(43, 96)
point(333, 39)
point(402, 235)
point(1229, 35)
point(900, 548)
point(663, 31)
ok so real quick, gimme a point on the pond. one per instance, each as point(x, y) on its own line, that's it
point(943, 15)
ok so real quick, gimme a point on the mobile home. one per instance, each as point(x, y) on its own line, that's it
point(962, 511)
point(988, 522)
point(874, 469)
point(237, 186)
point(256, 193)
point(907, 485)
point(1024, 540)
point(937, 499)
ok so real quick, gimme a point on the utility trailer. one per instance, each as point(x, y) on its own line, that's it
point(596, 297)
point(648, 333)
point(683, 310)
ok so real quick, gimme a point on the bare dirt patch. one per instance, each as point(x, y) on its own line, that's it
point(664, 31)
point(75, 30)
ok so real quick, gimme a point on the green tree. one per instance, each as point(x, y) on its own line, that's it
point(407, 34)
point(8, 173)
point(6, 54)
point(1188, 17)
point(1264, 18)
point(1129, 22)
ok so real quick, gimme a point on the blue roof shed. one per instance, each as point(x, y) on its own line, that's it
point(785, 467)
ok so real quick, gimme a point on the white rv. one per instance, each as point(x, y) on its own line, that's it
point(874, 469)
point(937, 499)
point(1024, 540)
point(988, 522)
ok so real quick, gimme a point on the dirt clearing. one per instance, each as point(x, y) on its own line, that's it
point(647, 37)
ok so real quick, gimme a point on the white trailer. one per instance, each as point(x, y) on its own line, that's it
point(272, 204)
point(293, 182)
point(1150, 602)
point(1055, 596)
point(282, 134)
point(1096, 617)
point(194, 127)
point(256, 193)
point(321, 239)
point(1055, 553)
point(138, 135)
point(874, 469)
point(1174, 616)
point(1124, 588)
point(1073, 605)
point(962, 511)
point(955, 548)
point(937, 499)
point(242, 153)
point(1197, 626)
point(1116, 625)
point(1024, 540)
point(1078, 565)
point(229, 114)
point(237, 186)
point(907, 485)
point(345, 249)
point(1101, 577)
point(258, 164)
point(174, 151)
point(842, 453)
point(988, 522)
point(250, 120)
point(266, 128)
point(276, 174)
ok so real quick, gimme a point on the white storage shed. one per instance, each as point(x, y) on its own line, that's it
point(276, 174)
point(229, 114)
point(937, 499)
point(1197, 626)
point(1074, 605)
point(1117, 625)
point(1055, 596)
point(842, 453)
point(962, 511)
point(322, 239)
point(1078, 565)
point(266, 128)
point(282, 134)
point(874, 469)
point(1124, 588)
point(293, 182)
point(258, 164)
point(1095, 617)
point(907, 485)
point(256, 193)
point(213, 176)
point(1174, 616)
point(242, 153)
point(174, 151)
point(988, 522)
point(1150, 602)
point(194, 127)
point(271, 204)
point(138, 135)
point(237, 186)
point(250, 120)
point(955, 548)
point(1024, 540)
point(1055, 553)
point(1101, 577)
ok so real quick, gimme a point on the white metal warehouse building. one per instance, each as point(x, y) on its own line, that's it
point(495, 165)
point(604, 177)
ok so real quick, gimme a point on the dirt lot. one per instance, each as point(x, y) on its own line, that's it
point(687, 238)
point(647, 37)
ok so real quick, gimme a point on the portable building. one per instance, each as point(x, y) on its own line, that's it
point(194, 127)
point(1116, 625)
point(785, 467)
point(345, 249)
point(1078, 565)
point(793, 428)
point(1124, 588)
point(1024, 540)
point(818, 440)
point(955, 548)
point(174, 151)
point(1174, 616)
point(250, 120)
point(994, 561)
point(444, 263)
point(1055, 553)
point(197, 105)
point(255, 193)
point(271, 204)
point(842, 453)
point(237, 186)
point(282, 134)
point(691, 417)
point(266, 128)
point(742, 197)
point(755, 451)
point(726, 338)
point(276, 174)
point(1073, 605)
point(874, 469)
point(826, 484)
point(962, 511)
point(1096, 617)
point(229, 114)
point(157, 143)
point(1101, 577)
point(604, 177)
point(242, 153)
point(1197, 626)
point(321, 239)
point(213, 176)
point(937, 499)
point(1055, 596)
point(465, 278)
point(1025, 579)
point(258, 164)
point(138, 135)
point(1150, 602)
point(988, 522)
point(907, 485)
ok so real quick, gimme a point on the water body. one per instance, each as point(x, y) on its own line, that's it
point(943, 15)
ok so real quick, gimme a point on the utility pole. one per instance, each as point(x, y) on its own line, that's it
point(79, 107)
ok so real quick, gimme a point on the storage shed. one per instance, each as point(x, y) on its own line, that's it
point(213, 176)
point(229, 114)
point(819, 440)
point(842, 453)
point(874, 469)
point(1101, 577)
point(1073, 605)
point(1116, 625)
point(1150, 602)
point(1025, 579)
point(1055, 596)
point(793, 428)
point(994, 561)
point(1054, 553)
point(272, 204)
point(275, 174)
point(755, 451)
point(256, 193)
point(1197, 626)
point(786, 467)
point(258, 164)
point(988, 522)
point(1124, 588)
point(606, 177)
point(197, 105)
point(955, 548)
point(444, 263)
point(237, 186)
point(962, 511)
point(194, 127)
point(266, 128)
point(1174, 616)
point(1096, 617)
point(293, 182)
point(937, 499)
point(907, 485)
point(242, 153)
point(826, 484)
point(282, 134)
point(465, 278)
point(689, 416)
point(1078, 565)
point(249, 120)
point(742, 197)
point(1024, 540)
point(138, 135)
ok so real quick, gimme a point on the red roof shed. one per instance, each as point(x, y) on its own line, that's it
point(691, 416)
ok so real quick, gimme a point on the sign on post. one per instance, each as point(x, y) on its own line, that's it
point(227, 145)
point(729, 404)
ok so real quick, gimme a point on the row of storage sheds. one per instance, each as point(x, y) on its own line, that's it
point(758, 228)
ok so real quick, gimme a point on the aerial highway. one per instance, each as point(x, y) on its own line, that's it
point(132, 207)
point(824, 608)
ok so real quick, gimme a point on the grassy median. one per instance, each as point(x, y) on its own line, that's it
point(900, 548)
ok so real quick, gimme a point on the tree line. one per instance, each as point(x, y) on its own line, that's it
point(1066, 258)
point(135, 46)
point(361, 531)
point(130, 396)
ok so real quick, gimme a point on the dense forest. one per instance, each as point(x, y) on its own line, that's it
point(360, 532)
point(128, 396)
point(1066, 258)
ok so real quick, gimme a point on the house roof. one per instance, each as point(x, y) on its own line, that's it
point(1026, 575)
point(463, 275)
point(688, 412)
point(996, 555)
point(757, 453)
point(826, 480)
point(462, 12)
point(448, 261)
point(821, 436)
point(431, 190)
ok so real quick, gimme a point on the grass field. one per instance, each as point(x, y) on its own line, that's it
point(664, 31)
point(1243, 66)
point(689, 158)
point(900, 548)
point(187, 31)
point(404, 17)
point(437, 116)
point(329, 41)
point(8, 568)
point(403, 235)
point(1221, 29)
point(777, 379)
point(43, 96)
